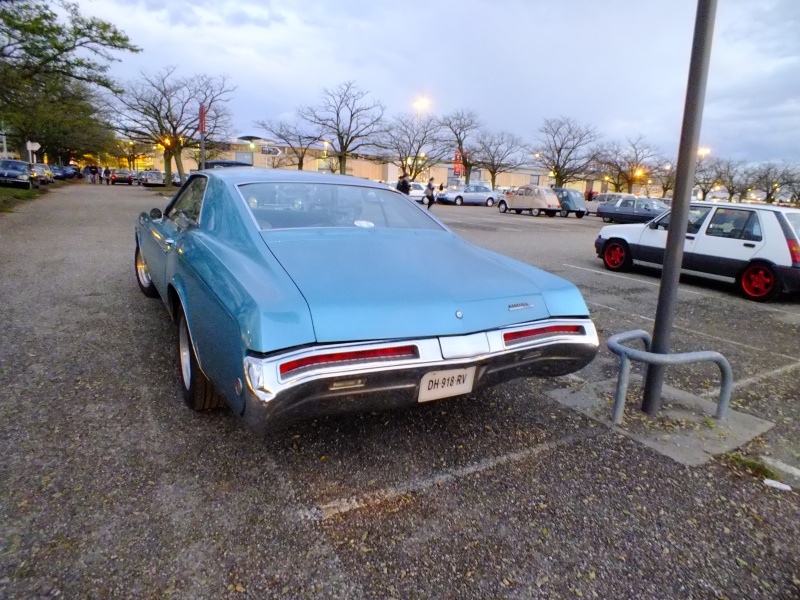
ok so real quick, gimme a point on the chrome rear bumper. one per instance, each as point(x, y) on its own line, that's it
point(272, 399)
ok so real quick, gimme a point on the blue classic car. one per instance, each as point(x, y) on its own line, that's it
point(571, 201)
point(299, 293)
point(627, 208)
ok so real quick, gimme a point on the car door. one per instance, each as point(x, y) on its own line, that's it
point(163, 235)
point(653, 239)
point(623, 212)
point(726, 245)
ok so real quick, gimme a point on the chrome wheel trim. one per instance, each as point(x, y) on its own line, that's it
point(142, 272)
point(185, 348)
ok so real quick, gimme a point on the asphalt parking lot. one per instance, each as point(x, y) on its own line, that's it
point(113, 488)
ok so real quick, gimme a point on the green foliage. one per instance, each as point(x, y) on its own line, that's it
point(35, 46)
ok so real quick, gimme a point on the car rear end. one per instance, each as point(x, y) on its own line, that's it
point(789, 220)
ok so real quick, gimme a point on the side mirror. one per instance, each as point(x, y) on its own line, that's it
point(654, 225)
point(156, 214)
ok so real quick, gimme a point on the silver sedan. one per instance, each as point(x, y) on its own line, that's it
point(470, 194)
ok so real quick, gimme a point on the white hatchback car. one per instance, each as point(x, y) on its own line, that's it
point(757, 247)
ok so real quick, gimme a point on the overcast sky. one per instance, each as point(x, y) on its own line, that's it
point(620, 65)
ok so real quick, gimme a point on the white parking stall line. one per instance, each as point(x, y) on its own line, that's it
point(700, 333)
point(345, 505)
point(636, 279)
point(754, 379)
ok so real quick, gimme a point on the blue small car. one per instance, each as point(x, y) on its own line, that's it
point(299, 293)
point(571, 201)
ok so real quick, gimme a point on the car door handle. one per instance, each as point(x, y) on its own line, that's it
point(749, 245)
point(169, 244)
point(689, 237)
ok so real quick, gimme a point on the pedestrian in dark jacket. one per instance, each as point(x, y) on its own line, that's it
point(403, 185)
point(430, 193)
point(107, 176)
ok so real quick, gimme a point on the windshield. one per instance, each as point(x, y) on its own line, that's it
point(300, 205)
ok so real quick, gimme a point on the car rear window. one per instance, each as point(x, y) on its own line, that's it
point(794, 221)
point(303, 205)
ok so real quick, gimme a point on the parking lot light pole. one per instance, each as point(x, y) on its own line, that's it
point(684, 181)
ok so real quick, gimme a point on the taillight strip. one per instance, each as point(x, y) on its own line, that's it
point(396, 352)
point(522, 335)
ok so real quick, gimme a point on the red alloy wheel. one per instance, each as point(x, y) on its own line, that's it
point(758, 282)
point(615, 256)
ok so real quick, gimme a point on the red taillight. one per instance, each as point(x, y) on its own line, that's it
point(524, 334)
point(794, 250)
point(357, 355)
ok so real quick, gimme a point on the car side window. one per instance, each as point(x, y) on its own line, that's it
point(527, 192)
point(185, 211)
point(752, 230)
point(642, 204)
point(729, 223)
point(627, 203)
point(696, 217)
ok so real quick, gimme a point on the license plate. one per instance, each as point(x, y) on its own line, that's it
point(443, 384)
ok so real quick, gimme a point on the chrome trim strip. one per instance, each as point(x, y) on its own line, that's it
point(264, 379)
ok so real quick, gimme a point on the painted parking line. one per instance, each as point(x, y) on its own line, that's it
point(637, 280)
point(701, 334)
point(419, 484)
point(755, 378)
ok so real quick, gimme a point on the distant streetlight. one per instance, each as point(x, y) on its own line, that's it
point(638, 173)
point(703, 152)
point(420, 104)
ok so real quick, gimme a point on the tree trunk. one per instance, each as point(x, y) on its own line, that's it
point(179, 165)
point(167, 166)
point(343, 163)
point(630, 187)
point(300, 158)
point(493, 177)
point(467, 173)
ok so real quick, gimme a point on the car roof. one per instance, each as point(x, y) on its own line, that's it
point(765, 207)
point(242, 175)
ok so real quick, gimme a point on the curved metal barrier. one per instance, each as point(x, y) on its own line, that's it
point(626, 355)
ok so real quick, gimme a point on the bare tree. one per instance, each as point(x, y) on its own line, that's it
point(500, 153)
point(462, 126)
point(770, 177)
point(627, 164)
point(412, 144)
point(565, 148)
point(662, 171)
point(705, 174)
point(735, 176)
point(347, 119)
point(164, 109)
point(291, 136)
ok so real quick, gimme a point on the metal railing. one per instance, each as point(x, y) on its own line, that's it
point(626, 355)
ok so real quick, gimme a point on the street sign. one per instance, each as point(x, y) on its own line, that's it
point(271, 151)
point(33, 146)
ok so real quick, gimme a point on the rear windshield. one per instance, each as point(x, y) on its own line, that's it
point(794, 220)
point(14, 165)
point(301, 205)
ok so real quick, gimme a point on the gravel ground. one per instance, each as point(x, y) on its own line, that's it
point(111, 487)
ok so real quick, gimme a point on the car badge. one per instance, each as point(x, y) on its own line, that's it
point(459, 314)
point(519, 306)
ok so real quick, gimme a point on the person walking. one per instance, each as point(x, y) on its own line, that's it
point(93, 174)
point(403, 185)
point(107, 176)
point(430, 194)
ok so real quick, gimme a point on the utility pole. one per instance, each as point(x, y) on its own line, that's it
point(679, 218)
point(202, 164)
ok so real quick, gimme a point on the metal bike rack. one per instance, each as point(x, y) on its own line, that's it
point(626, 355)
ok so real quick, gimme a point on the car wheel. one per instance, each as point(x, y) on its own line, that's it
point(606, 219)
point(143, 276)
point(502, 207)
point(536, 212)
point(550, 213)
point(759, 282)
point(198, 392)
point(459, 201)
point(490, 202)
point(580, 214)
point(564, 213)
point(616, 255)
